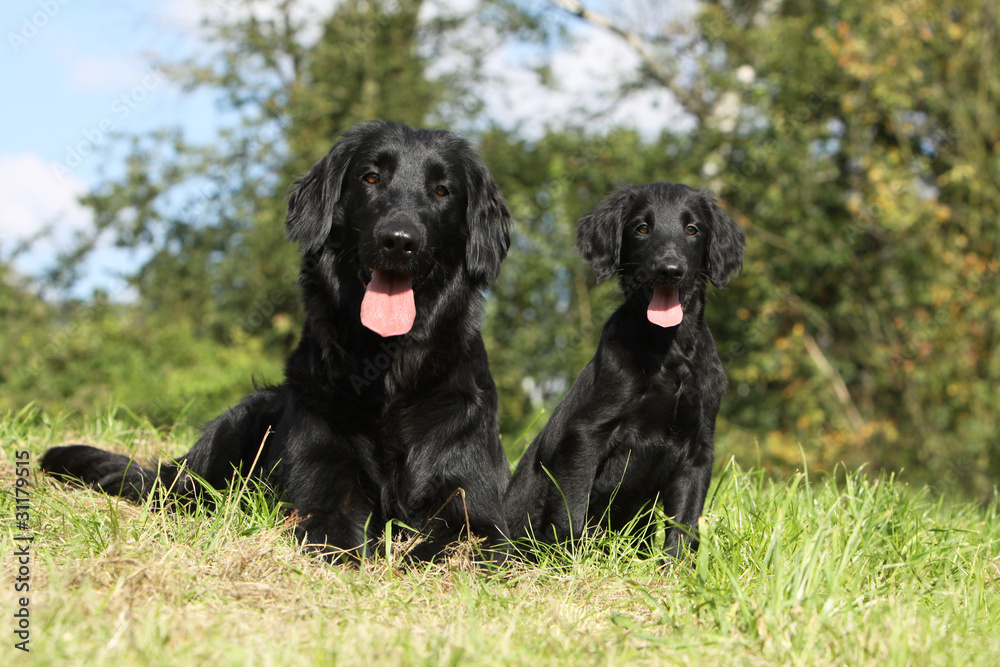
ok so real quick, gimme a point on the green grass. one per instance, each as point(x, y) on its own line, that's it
point(801, 571)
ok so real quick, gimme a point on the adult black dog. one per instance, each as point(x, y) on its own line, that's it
point(388, 406)
point(638, 423)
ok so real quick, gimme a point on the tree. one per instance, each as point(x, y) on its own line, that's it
point(857, 144)
point(220, 271)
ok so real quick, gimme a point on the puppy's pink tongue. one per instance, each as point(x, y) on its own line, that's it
point(388, 307)
point(665, 307)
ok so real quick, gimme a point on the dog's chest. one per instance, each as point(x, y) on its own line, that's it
point(666, 406)
point(657, 433)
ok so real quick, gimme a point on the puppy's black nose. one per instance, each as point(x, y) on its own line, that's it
point(398, 244)
point(670, 272)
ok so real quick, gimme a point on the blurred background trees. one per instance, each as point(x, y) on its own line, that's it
point(855, 142)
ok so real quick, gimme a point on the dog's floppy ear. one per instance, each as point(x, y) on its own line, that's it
point(726, 243)
point(489, 223)
point(314, 207)
point(599, 233)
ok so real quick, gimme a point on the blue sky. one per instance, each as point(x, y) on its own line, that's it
point(74, 71)
point(69, 72)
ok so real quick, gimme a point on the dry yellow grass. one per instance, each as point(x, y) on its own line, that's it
point(795, 573)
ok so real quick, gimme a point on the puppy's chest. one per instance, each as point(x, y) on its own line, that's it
point(657, 433)
point(666, 412)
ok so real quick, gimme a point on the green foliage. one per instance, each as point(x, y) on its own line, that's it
point(365, 65)
point(86, 355)
point(873, 270)
point(856, 143)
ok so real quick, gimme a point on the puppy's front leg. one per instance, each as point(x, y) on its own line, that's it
point(568, 478)
point(683, 501)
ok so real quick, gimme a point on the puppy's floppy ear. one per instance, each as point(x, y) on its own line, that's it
point(599, 233)
point(314, 207)
point(488, 220)
point(726, 242)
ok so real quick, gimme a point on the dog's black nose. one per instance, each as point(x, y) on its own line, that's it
point(670, 272)
point(399, 243)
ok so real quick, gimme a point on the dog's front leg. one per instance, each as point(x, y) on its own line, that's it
point(456, 492)
point(333, 515)
point(683, 501)
point(568, 471)
point(456, 510)
point(335, 504)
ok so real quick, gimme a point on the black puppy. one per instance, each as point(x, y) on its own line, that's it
point(637, 425)
point(388, 406)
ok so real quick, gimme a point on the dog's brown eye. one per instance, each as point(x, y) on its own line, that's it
point(371, 178)
point(691, 230)
point(441, 191)
point(642, 228)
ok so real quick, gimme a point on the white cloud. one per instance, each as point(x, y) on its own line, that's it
point(34, 198)
point(587, 74)
point(37, 205)
point(189, 15)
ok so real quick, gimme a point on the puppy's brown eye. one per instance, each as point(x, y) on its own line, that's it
point(691, 230)
point(371, 178)
point(642, 229)
point(441, 191)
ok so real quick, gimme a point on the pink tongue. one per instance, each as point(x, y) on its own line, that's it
point(388, 307)
point(665, 307)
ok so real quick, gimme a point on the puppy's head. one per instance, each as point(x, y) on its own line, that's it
point(408, 210)
point(663, 240)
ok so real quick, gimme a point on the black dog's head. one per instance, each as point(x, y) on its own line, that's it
point(403, 208)
point(663, 240)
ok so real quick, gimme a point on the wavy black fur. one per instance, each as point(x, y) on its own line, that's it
point(637, 425)
point(369, 429)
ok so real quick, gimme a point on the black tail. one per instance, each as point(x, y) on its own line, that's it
point(114, 474)
point(229, 443)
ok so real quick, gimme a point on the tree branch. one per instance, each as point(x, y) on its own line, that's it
point(835, 379)
point(660, 72)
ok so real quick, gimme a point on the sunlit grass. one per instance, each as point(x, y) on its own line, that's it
point(796, 571)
